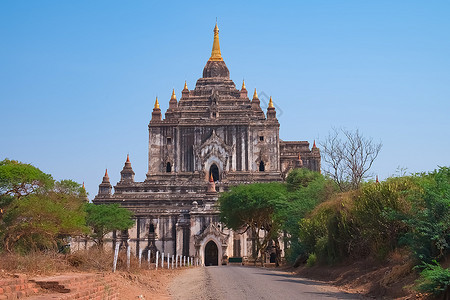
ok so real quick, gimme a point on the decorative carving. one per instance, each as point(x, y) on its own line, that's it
point(211, 230)
point(213, 150)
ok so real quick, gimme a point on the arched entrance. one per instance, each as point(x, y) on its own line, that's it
point(214, 171)
point(211, 254)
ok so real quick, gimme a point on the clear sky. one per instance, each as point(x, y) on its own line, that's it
point(78, 79)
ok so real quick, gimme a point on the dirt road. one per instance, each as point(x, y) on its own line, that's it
point(232, 282)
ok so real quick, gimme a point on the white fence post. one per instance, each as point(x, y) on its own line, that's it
point(157, 257)
point(149, 254)
point(116, 254)
point(128, 255)
point(168, 264)
point(162, 260)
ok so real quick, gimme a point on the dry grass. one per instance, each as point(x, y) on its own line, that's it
point(33, 263)
point(91, 260)
point(46, 263)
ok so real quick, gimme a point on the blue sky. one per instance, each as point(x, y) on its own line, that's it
point(78, 79)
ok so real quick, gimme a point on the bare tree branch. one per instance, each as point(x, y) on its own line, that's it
point(348, 157)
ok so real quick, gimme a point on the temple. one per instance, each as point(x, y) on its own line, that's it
point(212, 138)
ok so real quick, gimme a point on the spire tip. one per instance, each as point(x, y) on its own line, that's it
point(255, 95)
point(215, 53)
point(270, 102)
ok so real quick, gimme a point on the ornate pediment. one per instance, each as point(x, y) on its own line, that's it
point(213, 149)
point(211, 230)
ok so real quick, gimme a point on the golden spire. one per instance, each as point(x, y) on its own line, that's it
point(255, 95)
point(215, 53)
point(185, 85)
point(270, 102)
point(156, 103)
point(174, 97)
point(243, 85)
point(128, 158)
point(106, 173)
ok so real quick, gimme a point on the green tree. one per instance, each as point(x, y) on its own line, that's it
point(44, 220)
point(252, 207)
point(105, 218)
point(306, 189)
point(18, 179)
point(36, 212)
point(268, 209)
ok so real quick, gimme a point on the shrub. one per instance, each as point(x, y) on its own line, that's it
point(434, 280)
point(312, 258)
point(328, 229)
point(429, 219)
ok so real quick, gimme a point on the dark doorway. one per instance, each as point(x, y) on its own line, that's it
point(168, 167)
point(261, 166)
point(211, 254)
point(214, 170)
point(273, 257)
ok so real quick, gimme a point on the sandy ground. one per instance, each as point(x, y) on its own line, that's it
point(146, 285)
point(190, 284)
point(232, 282)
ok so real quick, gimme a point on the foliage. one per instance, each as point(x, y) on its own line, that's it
point(312, 258)
point(306, 189)
point(105, 218)
point(18, 179)
point(358, 223)
point(40, 221)
point(434, 280)
point(37, 213)
point(272, 208)
point(302, 178)
point(380, 217)
point(375, 213)
point(328, 227)
point(348, 157)
point(252, 207)
point(429, 218)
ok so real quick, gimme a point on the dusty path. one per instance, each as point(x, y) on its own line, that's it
point(232, 282)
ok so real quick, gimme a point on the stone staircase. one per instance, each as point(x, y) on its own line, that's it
point(69, 286)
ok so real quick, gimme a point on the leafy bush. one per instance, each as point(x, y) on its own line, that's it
point(429, 219)
point(305, 190)
point(312, 258)
point(328, 230)
point(376, 208)
point(357, 224)
point(434, 280)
